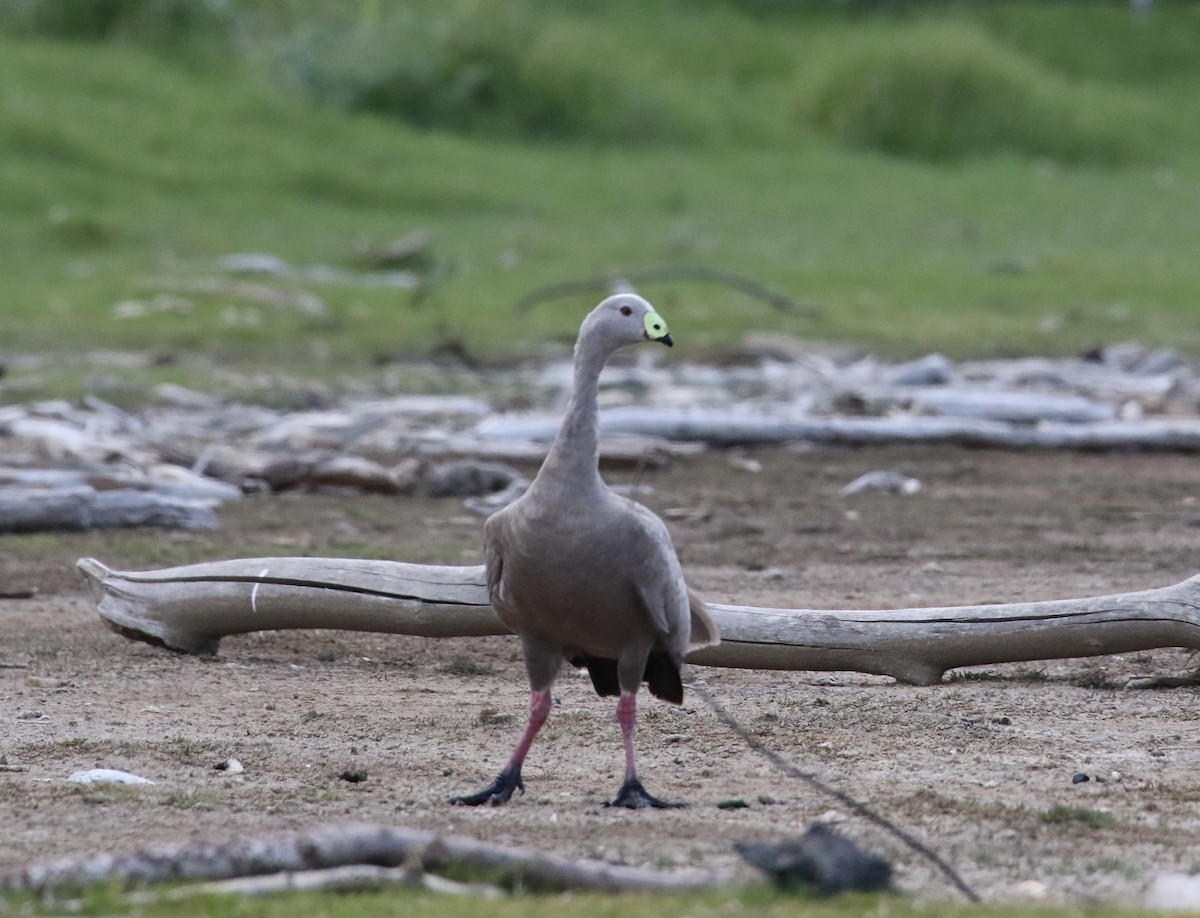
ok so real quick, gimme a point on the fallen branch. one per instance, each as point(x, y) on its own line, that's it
point(728, 427)
point(82, 508)
point(615, 452)
point(170, 480)
point(324, 469)
point(987, 404)
point(340, 846)
point(189, 609)
point(347, 879)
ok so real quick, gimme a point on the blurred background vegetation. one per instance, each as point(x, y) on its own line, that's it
point(977, 177)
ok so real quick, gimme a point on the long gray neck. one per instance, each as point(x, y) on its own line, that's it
point(575, 454)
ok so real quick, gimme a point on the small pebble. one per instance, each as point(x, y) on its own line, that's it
point(831, 817)
point(732, 805)
point(677, 738)
point(745, 464)
point(882, 480)
point(354, 775)
point(1079, 778)
point(1032, 889)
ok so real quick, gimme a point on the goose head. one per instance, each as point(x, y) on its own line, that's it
point(623, 319)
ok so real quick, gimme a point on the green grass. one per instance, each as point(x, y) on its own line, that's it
point(1048, 201)
point(753, 901)
point(1058, 814)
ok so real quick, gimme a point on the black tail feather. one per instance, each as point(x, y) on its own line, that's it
point(603, 673)
point(661, 675)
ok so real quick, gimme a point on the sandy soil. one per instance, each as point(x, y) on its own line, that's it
point(973, 766)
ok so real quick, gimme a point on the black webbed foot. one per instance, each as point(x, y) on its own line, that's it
point(634, 797)
point(496, 793)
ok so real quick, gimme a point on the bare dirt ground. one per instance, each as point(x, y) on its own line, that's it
point(980, 767)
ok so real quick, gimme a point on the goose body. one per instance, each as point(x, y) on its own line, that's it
point(585, 575)
point(592, 578)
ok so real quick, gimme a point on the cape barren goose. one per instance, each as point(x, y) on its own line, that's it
point(585, 575)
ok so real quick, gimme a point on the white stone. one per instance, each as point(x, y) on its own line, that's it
point(1174, 892)
point(107, 776)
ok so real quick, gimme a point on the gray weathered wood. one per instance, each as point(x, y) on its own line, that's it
point(732, 427)
point(617, 451)
point(350, 878)
point(170, 480)
point(987, 404)
point(338, 846)
point(191, 608)
point(82, 508)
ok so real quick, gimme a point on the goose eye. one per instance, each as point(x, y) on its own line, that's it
point(626, 311)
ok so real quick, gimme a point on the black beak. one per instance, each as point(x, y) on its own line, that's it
point(666, 339)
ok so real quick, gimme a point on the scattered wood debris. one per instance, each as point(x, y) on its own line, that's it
point(65, 463)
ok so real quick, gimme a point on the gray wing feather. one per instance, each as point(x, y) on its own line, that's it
point(493, 560)
point(661, 586)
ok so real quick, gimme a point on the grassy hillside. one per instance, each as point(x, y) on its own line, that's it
point(973, 178)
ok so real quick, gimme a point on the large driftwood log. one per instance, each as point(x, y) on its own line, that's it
point(338, 846)
point(191, 608)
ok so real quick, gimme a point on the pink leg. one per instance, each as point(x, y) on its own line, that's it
point(632, 794)
point(627, 718)
point(539, 710)
point(509, 780)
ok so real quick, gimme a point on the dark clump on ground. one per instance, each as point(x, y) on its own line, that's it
point(820, 859)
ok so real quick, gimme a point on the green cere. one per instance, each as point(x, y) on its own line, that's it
point(655, 326)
